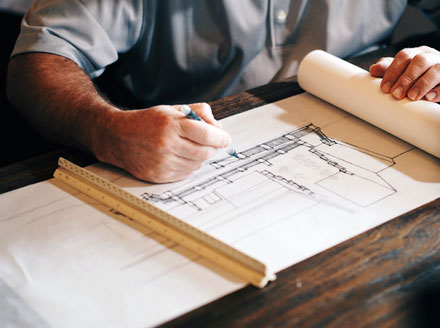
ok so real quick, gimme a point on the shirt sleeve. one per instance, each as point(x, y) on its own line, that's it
point(89, 32)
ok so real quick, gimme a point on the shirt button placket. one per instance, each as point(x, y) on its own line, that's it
point(281, 16)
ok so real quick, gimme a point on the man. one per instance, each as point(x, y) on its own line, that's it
point(182, 52)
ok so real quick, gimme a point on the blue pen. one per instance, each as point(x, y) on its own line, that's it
point(193, 116)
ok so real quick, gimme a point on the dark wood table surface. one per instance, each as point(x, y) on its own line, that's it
point(388, 276)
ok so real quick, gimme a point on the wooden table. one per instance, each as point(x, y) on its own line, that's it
point(388, 276)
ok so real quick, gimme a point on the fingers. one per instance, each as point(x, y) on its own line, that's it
point(147, 143)
point(190, 150)
point(166, 168)
point(413, 73)
point(425, 85)
point(396, 68)
point(204, 134)
point(379, 69)
point(433, 95)
point(201, 133)
point(160, 144)
point(205, 112)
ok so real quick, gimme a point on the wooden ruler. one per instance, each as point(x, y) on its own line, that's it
point(230, 259)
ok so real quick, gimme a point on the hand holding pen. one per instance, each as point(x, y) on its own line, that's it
point(189, 113)
point(159, 144)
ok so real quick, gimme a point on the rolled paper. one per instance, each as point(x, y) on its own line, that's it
point(354, 90)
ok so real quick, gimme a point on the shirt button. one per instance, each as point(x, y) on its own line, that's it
point(281, 16)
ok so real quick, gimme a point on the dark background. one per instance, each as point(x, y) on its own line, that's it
point(17, 138)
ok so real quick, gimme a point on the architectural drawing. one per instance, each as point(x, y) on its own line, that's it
point(305, 164)
point(297, 189)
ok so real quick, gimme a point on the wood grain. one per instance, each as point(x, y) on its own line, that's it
point(376, 278)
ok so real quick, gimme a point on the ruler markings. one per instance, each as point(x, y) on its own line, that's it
point(227, 257)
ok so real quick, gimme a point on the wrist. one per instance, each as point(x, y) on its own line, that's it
point(103, 133)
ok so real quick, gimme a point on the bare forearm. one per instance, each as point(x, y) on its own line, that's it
point(58, 99)
point(157, 144)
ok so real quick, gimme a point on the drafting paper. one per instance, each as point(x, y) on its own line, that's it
point(357, 92)
point(309, 177)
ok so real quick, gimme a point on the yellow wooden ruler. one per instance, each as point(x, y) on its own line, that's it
point(230, 259)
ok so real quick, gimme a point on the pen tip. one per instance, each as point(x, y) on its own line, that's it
point(234, 153)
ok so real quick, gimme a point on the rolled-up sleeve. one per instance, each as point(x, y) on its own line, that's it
point(91, 33)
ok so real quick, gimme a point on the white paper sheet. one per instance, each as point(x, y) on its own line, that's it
point(357, 92)
point(309, 177)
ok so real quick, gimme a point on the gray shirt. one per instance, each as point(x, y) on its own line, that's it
point(181, 51)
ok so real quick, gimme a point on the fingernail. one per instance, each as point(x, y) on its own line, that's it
point(386, 87)
point(431, 95)
point(397, 92)
point(413, 93)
